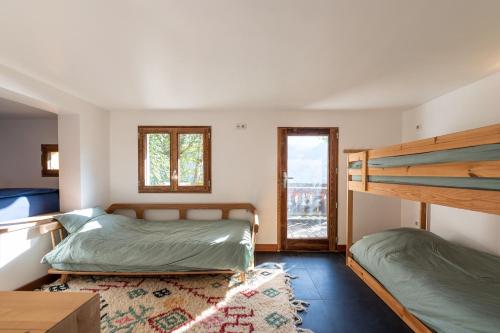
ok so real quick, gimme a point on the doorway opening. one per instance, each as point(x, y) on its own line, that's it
point(307, 188)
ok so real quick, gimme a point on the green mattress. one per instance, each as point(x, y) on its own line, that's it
point(456, 182)
point(449, 287)
point(490, 152)
point(115, 243)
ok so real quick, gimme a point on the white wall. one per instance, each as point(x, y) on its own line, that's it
point(20, 148)
point(94, 158)
point(90, 125)
point(470, 107)
point(69, 162)
point(244, 162)
point(20, 255)
point(84, 177)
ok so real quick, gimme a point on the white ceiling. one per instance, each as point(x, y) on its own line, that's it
point(10, 109)
point(159, 54)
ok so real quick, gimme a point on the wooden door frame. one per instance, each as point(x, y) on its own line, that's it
point(329, 244)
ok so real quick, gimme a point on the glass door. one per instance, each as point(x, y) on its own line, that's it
point(307, 188)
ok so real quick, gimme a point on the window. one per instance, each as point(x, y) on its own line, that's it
point(174, 159)
point(50, 161)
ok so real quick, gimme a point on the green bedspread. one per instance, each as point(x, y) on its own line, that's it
point(449, 287)
point(117, 243)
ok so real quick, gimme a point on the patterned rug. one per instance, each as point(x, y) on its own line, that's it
point(205, 303)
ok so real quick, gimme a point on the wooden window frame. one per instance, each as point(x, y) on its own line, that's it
point(46, 149)
point(174, 132)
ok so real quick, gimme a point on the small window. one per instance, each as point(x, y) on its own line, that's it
point(174, 159)
point(50, 161)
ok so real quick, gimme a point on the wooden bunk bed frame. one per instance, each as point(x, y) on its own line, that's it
point(57, 234)
point(487, 201)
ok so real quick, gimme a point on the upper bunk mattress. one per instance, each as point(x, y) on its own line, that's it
point(115, 243)
point(16, 203)
point(489, 152)
point(449, 287)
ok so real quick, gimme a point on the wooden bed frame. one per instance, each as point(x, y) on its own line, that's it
point(477, 200)
point(56, 231)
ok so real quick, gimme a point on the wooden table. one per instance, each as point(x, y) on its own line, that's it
point(57, 312)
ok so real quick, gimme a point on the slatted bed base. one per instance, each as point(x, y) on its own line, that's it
point(410, 320)
point(66, 274)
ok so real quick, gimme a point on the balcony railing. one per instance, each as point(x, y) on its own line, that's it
point(307, 210)
point(307, 199)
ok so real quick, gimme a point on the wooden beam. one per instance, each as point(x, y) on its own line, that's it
point(180, 206)
point(364, 170)
point(33, 222)
point(349, 223)
point(55, 271)
point(476, 200)
point(53, 239)
point(423, 216)
point(479, 169)
point(349, 212)
point(341, 248)
point(256, 222)
point(351, 151)
point(474, 137)
point(333, 190)
point(266, 248)
point(49, 227)
point(354, 157)
point(416, 325)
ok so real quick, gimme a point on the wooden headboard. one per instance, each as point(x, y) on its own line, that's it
point(183, 208)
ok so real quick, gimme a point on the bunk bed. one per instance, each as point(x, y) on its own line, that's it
point(430, 283)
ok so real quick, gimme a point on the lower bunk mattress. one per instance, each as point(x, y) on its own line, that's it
point(449, 287)
point(115, 243)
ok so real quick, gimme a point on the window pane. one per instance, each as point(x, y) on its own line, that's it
point(53, 160)
point(191, 159)
point(157, 164)
point(307, 186)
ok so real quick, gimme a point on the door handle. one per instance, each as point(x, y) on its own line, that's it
point(285, 179)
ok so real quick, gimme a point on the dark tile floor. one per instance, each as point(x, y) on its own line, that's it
point(339, 301)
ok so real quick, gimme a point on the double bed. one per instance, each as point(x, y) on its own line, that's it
point(17, 203)
point(430, 283)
